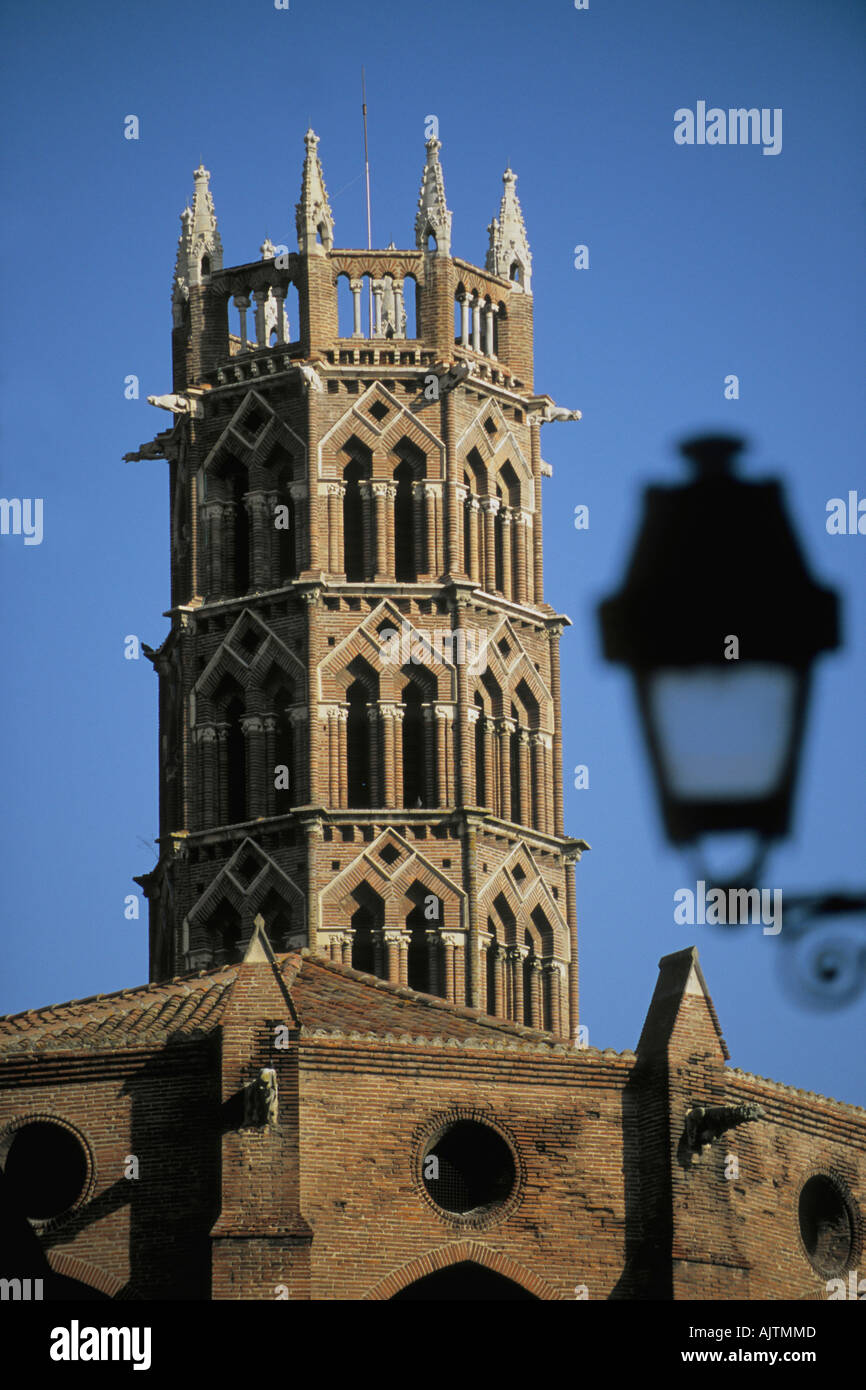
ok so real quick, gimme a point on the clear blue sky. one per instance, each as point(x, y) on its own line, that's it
point(704, 261)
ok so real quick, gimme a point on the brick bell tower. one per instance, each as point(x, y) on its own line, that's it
point(360, 722)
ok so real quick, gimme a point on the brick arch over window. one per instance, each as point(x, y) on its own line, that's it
point(526, 947)
point(242, 695)
point(491, 436)
point(250, 883)
point(520, 885)
point(498, 499)
point(388, 469)
point(404, 882)
point(69, 1267)
point(514, 734)
point(373, 643)
point(395, 890)
point(419, 876)
point(457, 1252)
point(248, 653)
point(380, 433)
point(257, 464)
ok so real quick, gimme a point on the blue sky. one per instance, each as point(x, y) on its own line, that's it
point(704, 261)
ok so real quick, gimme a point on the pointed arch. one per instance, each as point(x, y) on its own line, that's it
point(457, 1252)
point(379, 421)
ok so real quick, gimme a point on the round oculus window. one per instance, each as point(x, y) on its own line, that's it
point(468, 1169)
point(826, 1225)
point(46, 1169)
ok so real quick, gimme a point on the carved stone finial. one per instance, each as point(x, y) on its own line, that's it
point(199, 247)
point(313, 217)
point(267, 249)
point(508, 254)
point(433, 218)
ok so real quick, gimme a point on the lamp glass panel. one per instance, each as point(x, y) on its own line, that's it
point(723, 734)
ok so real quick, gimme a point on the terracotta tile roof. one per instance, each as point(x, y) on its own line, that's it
point(329, 1000)
point(335, 999)
point(175, 1010)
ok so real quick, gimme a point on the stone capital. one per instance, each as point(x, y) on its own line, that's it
point(554, 967)
point(491, 505)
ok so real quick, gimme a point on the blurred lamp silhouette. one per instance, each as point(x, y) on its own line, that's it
point(720, 623)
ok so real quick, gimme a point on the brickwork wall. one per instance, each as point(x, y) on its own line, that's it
point(476, 443)
point(150, 1234)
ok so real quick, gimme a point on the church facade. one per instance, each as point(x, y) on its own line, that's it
point(357, 1070)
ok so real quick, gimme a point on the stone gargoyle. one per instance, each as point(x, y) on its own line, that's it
point(261, 1101)
point(705, 1123)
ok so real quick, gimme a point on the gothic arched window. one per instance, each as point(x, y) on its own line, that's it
point(224, 932)
point(363, 955)
point(358, 745)
point(358, 469)
point(480, 753)
point(285, 796)
point(240, 524)
point(236, 761)
point(492, 951)
point(514, 755)
point(419, 952)
point(418, 758)
point(529, 966)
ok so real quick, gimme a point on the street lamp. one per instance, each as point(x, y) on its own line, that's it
point(720, 623)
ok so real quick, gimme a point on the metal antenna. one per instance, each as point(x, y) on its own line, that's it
point(367, 172)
